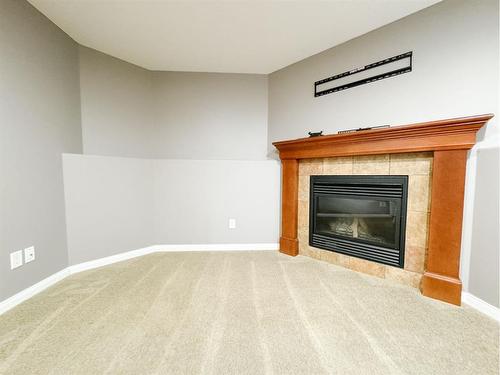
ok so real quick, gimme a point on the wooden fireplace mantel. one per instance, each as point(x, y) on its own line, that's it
point(449, 140)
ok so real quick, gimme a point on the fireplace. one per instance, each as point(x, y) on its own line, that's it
point(360, 216)
point(448, 140)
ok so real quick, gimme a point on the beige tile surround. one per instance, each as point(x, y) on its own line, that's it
point(418, 166)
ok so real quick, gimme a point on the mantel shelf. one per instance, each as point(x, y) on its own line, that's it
point(449, 134)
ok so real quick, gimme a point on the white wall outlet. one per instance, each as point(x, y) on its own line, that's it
point(232, 223)
point(29, 254)
point(16, 259)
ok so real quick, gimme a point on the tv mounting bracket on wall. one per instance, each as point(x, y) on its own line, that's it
point(386, 68)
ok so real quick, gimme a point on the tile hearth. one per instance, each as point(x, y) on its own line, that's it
point(418, 166)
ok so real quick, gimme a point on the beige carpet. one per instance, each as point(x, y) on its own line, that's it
point(241, 313)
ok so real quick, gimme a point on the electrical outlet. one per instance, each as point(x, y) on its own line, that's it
point(29, 254)
point(232, 223)
point(16, 259)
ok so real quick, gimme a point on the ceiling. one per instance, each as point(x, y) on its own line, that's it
point(220, 36)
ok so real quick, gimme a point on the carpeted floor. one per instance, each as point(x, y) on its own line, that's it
point(241, 313)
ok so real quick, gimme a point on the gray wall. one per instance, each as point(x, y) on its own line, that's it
point(484, 277)
point(40, 109)
point(455, 73)
point(119, 204)
point(132, 112)
point(109, 205)
point(211, 115)
point(117, 106)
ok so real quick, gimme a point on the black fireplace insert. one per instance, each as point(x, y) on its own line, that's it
point(360, 216)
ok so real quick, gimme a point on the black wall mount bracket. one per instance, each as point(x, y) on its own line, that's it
point(386, 68)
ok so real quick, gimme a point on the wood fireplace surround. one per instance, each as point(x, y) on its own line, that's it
point(449, 140)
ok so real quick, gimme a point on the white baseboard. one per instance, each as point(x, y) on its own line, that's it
point(29, 292)
point(219, 247)
point(481, 306)
point(167, 248)
point(111, 259)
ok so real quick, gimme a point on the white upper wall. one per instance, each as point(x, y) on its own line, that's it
point(132, 112)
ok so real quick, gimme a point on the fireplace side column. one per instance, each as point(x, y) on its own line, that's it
point(441, 277)
point(289, 243)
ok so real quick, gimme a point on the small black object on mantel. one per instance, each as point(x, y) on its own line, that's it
point(315, 134)
point(362, 129)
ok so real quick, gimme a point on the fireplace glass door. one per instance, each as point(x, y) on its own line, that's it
point(372, 220)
